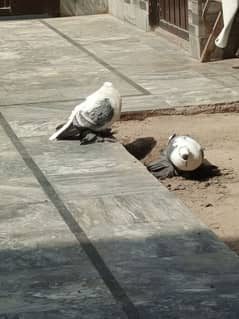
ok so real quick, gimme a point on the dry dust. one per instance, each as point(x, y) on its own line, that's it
point(216, 200)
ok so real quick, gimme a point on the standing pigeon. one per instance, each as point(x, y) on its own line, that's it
point(182, 154)
point(94, 116)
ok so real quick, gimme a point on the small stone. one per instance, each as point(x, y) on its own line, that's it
point(209, 205)
point(179, 188)
point(223, 186)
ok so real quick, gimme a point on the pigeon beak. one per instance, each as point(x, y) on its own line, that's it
point(184, 152)
point(185, 157)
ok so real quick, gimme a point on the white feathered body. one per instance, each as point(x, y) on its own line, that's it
point(185, 153)
point(97, 113)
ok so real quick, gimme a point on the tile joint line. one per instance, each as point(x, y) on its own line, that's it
point(97, 59)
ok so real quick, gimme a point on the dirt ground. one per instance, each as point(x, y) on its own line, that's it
point(216, 200)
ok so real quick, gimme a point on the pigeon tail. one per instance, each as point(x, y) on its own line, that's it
point(62, 129)
point(65, 126)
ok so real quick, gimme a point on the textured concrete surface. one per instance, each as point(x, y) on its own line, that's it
point(65, 59)
point(85, 231)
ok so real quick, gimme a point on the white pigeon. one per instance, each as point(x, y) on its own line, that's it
point(96, 114)
point(184, 152)
point(182, 155)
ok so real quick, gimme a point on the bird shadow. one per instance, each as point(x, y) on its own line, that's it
point(205, 172)
point(141, 147)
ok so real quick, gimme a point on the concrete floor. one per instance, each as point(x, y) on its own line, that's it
point(65, 59)
point(86, 232)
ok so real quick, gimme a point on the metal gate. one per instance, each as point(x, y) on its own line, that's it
point(4, 4)
point(5, 7)
point(174, 16)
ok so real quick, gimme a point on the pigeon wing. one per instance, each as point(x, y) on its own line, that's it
point(97, 117)
point(162, 168)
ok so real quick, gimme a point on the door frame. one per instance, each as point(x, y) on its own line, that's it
point(155, 20)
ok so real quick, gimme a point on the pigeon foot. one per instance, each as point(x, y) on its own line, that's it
point(85, 135)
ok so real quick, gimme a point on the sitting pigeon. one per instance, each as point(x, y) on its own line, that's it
point(182, 156)
point(91, 120)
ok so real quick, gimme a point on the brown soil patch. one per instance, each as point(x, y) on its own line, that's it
point(215, 201)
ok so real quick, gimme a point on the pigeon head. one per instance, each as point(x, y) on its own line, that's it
point(108, 84)
point(185, 153)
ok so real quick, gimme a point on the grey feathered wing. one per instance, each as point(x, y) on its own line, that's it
point(99, 116)
point(162, 168)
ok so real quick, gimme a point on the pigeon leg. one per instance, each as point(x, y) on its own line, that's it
point(89, 137)
point(106, 136)
point(109, 139)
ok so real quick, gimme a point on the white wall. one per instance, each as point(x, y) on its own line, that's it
point(132, 11)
